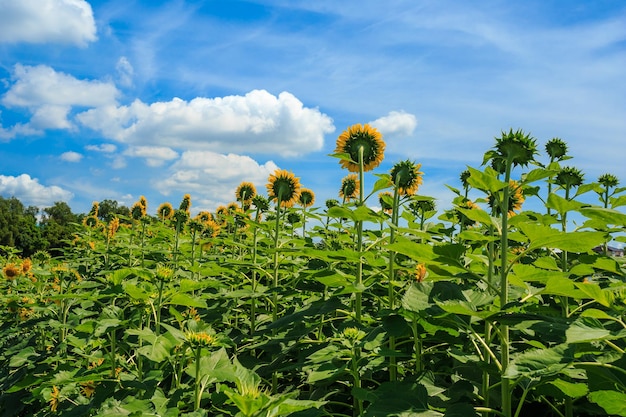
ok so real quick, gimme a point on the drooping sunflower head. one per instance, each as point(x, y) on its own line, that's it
point(165, 211)
point(386, 201)
point(556, 149)
point(363, 137)
point(608, 180)
point(407, 177)
point(307, 197)
point(245, 193)
point(516, 199)
point(221, 214)
point(569, 177)
point(283, 186)
point(185, 204)
point(349, 187)
point(293, 217)
point(137, 211)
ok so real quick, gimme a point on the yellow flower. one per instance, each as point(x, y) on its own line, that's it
point(87, 388)
point(420, 272)
point(144, 203)
point(11, 271)
point(361, 136)
point(245, 193)
point(91, 222)
point(54, 398)
point(283, 186)
point(185, 205)
point(94, 209)
point(516, 199)
point(114, 224)
point(137, 211)
point(307, 197)
point(407, 176)
point(26, 265)
point(204, 216)
point(165, 211)
point(383, 199)
point(200, 339)
point(349, 187)
point(211, 229)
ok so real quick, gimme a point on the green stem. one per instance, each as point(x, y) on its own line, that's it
point(393, 367)
point(275, 281)
point(359, 243)
point(198, 391)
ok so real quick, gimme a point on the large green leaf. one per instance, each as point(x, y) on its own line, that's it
point(404, 399)
point(571, 389)
point(562, 205)
point(613, 402)
point(485, 181)
point(541, 236)
point(608, 216)
point(537, 363)
point(589, 329)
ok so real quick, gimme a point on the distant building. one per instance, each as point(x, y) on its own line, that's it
point(613, 251)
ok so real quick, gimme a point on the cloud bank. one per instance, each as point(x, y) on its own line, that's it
point(30, 192)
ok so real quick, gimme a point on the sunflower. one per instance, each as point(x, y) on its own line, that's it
point(349, 187)
point(569, 177)
point(200, 339)
point(283, 186)
point(211, 229)
point(420, 272)
point(113, 226)
point(462, 218)
point(11, 271)
point(517, 147)
point(386, 201)
point(407, 177)
point(361, 136)
point(516, 199)
point(185, 204)
point(91, 221)
point(232, 208)
point(307, 197)
point(94, 209)
point(556, 149)
point(165, 211)
point(143, 202)
point(54, 398)
point(421, 206)
point(608, 180)
point(26, 265)
point(88, 388)
point(245, 193)
point(220, 215)
point(260, 203)
point(137, 211)
point(204, 216)
point(331, 202)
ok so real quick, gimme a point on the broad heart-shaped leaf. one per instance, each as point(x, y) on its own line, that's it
point(589, 329)
point(613, 402)
point(571, 389)
point(618, 201)
point(600, 295)
point(485, 181)
point(608, 216)
point(541, 236)
point(536, 175)
point(480, 216)
point(562, 205)
point(187, 301)
point(537, 363)
point(361, 213)
point(406, 399)
point(417, 296)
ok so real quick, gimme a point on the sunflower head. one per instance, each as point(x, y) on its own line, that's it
point(364, 137)
point(245, 193)
point(517, 147)
point(260, 203)
point(165, 211)
point(283, 186)
point(26, 265)
point(94, 209)
point(114, 224)
point(331, 202)
point(143, 202)
point(407, 177)
point(307, 197)
point(386, 201)
point(349, 187)
point(422, 206)
point(556, 149)
point(221, 212)
point(569, 177)
point(137, 211)
point(211, 229)
point(464, 178)
point(516, 199)
point(91, 222)
point(608, 180)
point(185, 204)
point(11, 271)
point(293, 217)
point(204, 216)
point(420, 272)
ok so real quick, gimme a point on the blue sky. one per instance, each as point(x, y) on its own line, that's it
point(122, 98)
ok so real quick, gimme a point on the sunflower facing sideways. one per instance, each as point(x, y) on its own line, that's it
point(406, 175)
point(349, 187)
point(361, 136)
point(284, 187)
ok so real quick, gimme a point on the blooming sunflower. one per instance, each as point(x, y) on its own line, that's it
point(204, 216)
point(11, 271)
point(54, 398)
point(26, 265)
point(94, 209)
point(407, 176)
point(361, 136)
point(283, 186)
point(386, 201)
point(516, 199)
point(349, 187)
point(420, 272)
point(137, 211)
point(91, 222)
point(211, 229)
point(88, 388)
point(143, 202)
point(462, 218)
point(307, 197)
point(165, 211)
point(245, 193)
point(114, 224)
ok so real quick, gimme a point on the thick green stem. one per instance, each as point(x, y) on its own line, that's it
point(198, 391)
point(275, 281)
point(359, 243)
point(393, 367)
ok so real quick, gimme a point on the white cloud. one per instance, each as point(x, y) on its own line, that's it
point(50, 95)
point(104, 147)
point(154, 155)
point(71, 156)
point(47, 21)
point(30, 192)
point(396, 123)
point(258, 122)
point(212, 178)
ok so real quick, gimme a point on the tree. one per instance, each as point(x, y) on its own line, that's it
point(111, 208)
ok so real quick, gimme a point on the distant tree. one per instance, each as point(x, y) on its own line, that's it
point(18, 227)
point(58, 225)
point(111, 208)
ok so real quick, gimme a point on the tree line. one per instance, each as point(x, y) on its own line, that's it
point(28, 229)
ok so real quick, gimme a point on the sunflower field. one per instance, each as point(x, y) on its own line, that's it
point(280, 306)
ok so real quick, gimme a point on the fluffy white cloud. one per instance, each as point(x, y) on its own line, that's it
point(71, 156)
point(197, 172)
point(396, 123)
point(50, 95)
point(46, 21)
point(30, 192)
point(125, 72)
point(154, 155)
point(258, 122)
